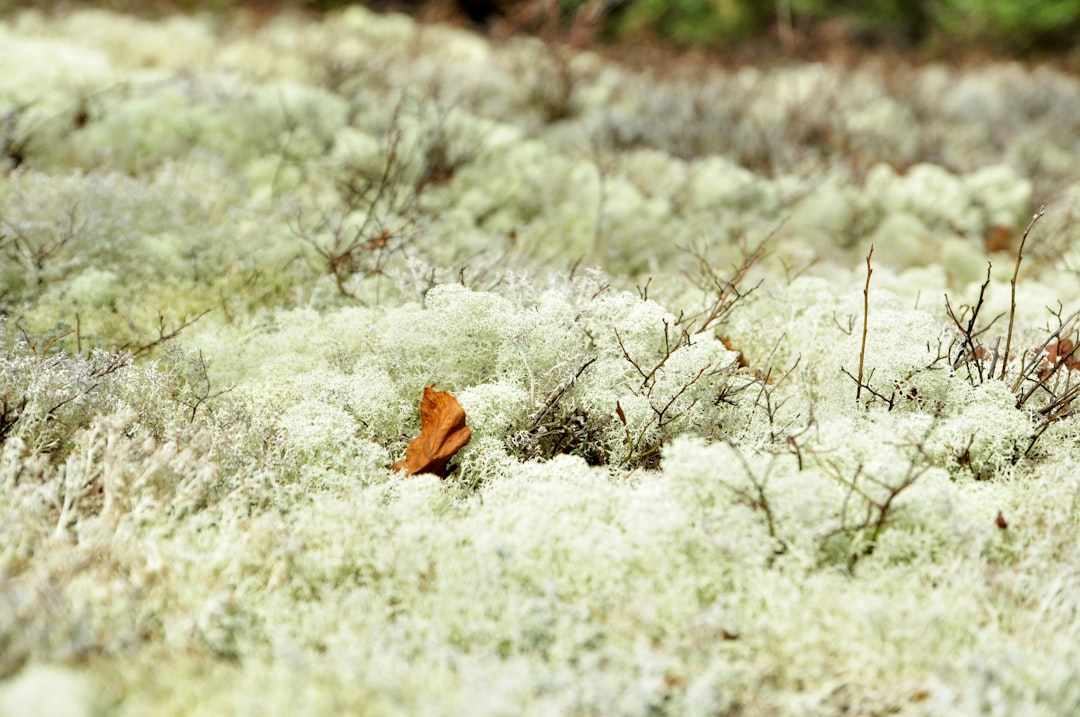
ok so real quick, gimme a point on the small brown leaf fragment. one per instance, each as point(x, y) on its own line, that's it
point(442, 434)
point(1066, 353)
point(741, 360)
point(1059, 353)
point(619, 412)
point(1001, 522)
point(999, 238)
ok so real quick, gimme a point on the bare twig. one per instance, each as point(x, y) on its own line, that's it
point(889, 400)
point(1032, 369)
point(878, 512)
point(725, 293)
point(866, 315)
point(972, 349)
point(1012, 287)
point(164, 335)
point(198, 387)
point(555, 397)
point(756, 498)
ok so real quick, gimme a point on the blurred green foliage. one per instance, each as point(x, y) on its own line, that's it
point(909, 20)
point(1011, 25)
point(1002, 25)
point(1017, 26)
point(696, 22)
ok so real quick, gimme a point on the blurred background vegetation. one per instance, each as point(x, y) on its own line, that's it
point(1017, 27)
point(1009, 26)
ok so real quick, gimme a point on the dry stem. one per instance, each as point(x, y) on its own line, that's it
point(866, 315)
point(1012, 288)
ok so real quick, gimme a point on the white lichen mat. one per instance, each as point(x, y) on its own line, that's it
point(721, 460)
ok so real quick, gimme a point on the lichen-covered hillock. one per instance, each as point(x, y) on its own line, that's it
point(769, 413)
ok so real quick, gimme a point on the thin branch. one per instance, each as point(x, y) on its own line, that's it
point(969, 333)
point(1012, 288)
point(628, 357)
point(866, 315)
point(554, 400)
point(164, 336)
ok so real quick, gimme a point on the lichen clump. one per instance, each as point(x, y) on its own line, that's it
point(721, 459)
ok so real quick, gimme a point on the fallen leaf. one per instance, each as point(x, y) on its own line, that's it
point(1066, 353)
point(1062, 352)
point(442, 434)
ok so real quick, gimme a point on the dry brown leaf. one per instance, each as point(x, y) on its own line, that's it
point(1000, 238)
point(1061, 352)
point(442, 434)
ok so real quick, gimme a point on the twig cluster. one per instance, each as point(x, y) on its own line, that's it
point(1041, 378)
point(374, 220)
point(644, 442)
point(195, 387)
point(723, 292)
point(870, 503)
point(554, 430)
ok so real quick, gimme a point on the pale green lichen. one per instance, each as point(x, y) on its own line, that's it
point(651, 517)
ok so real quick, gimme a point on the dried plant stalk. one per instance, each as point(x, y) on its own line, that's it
point(865, 319)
